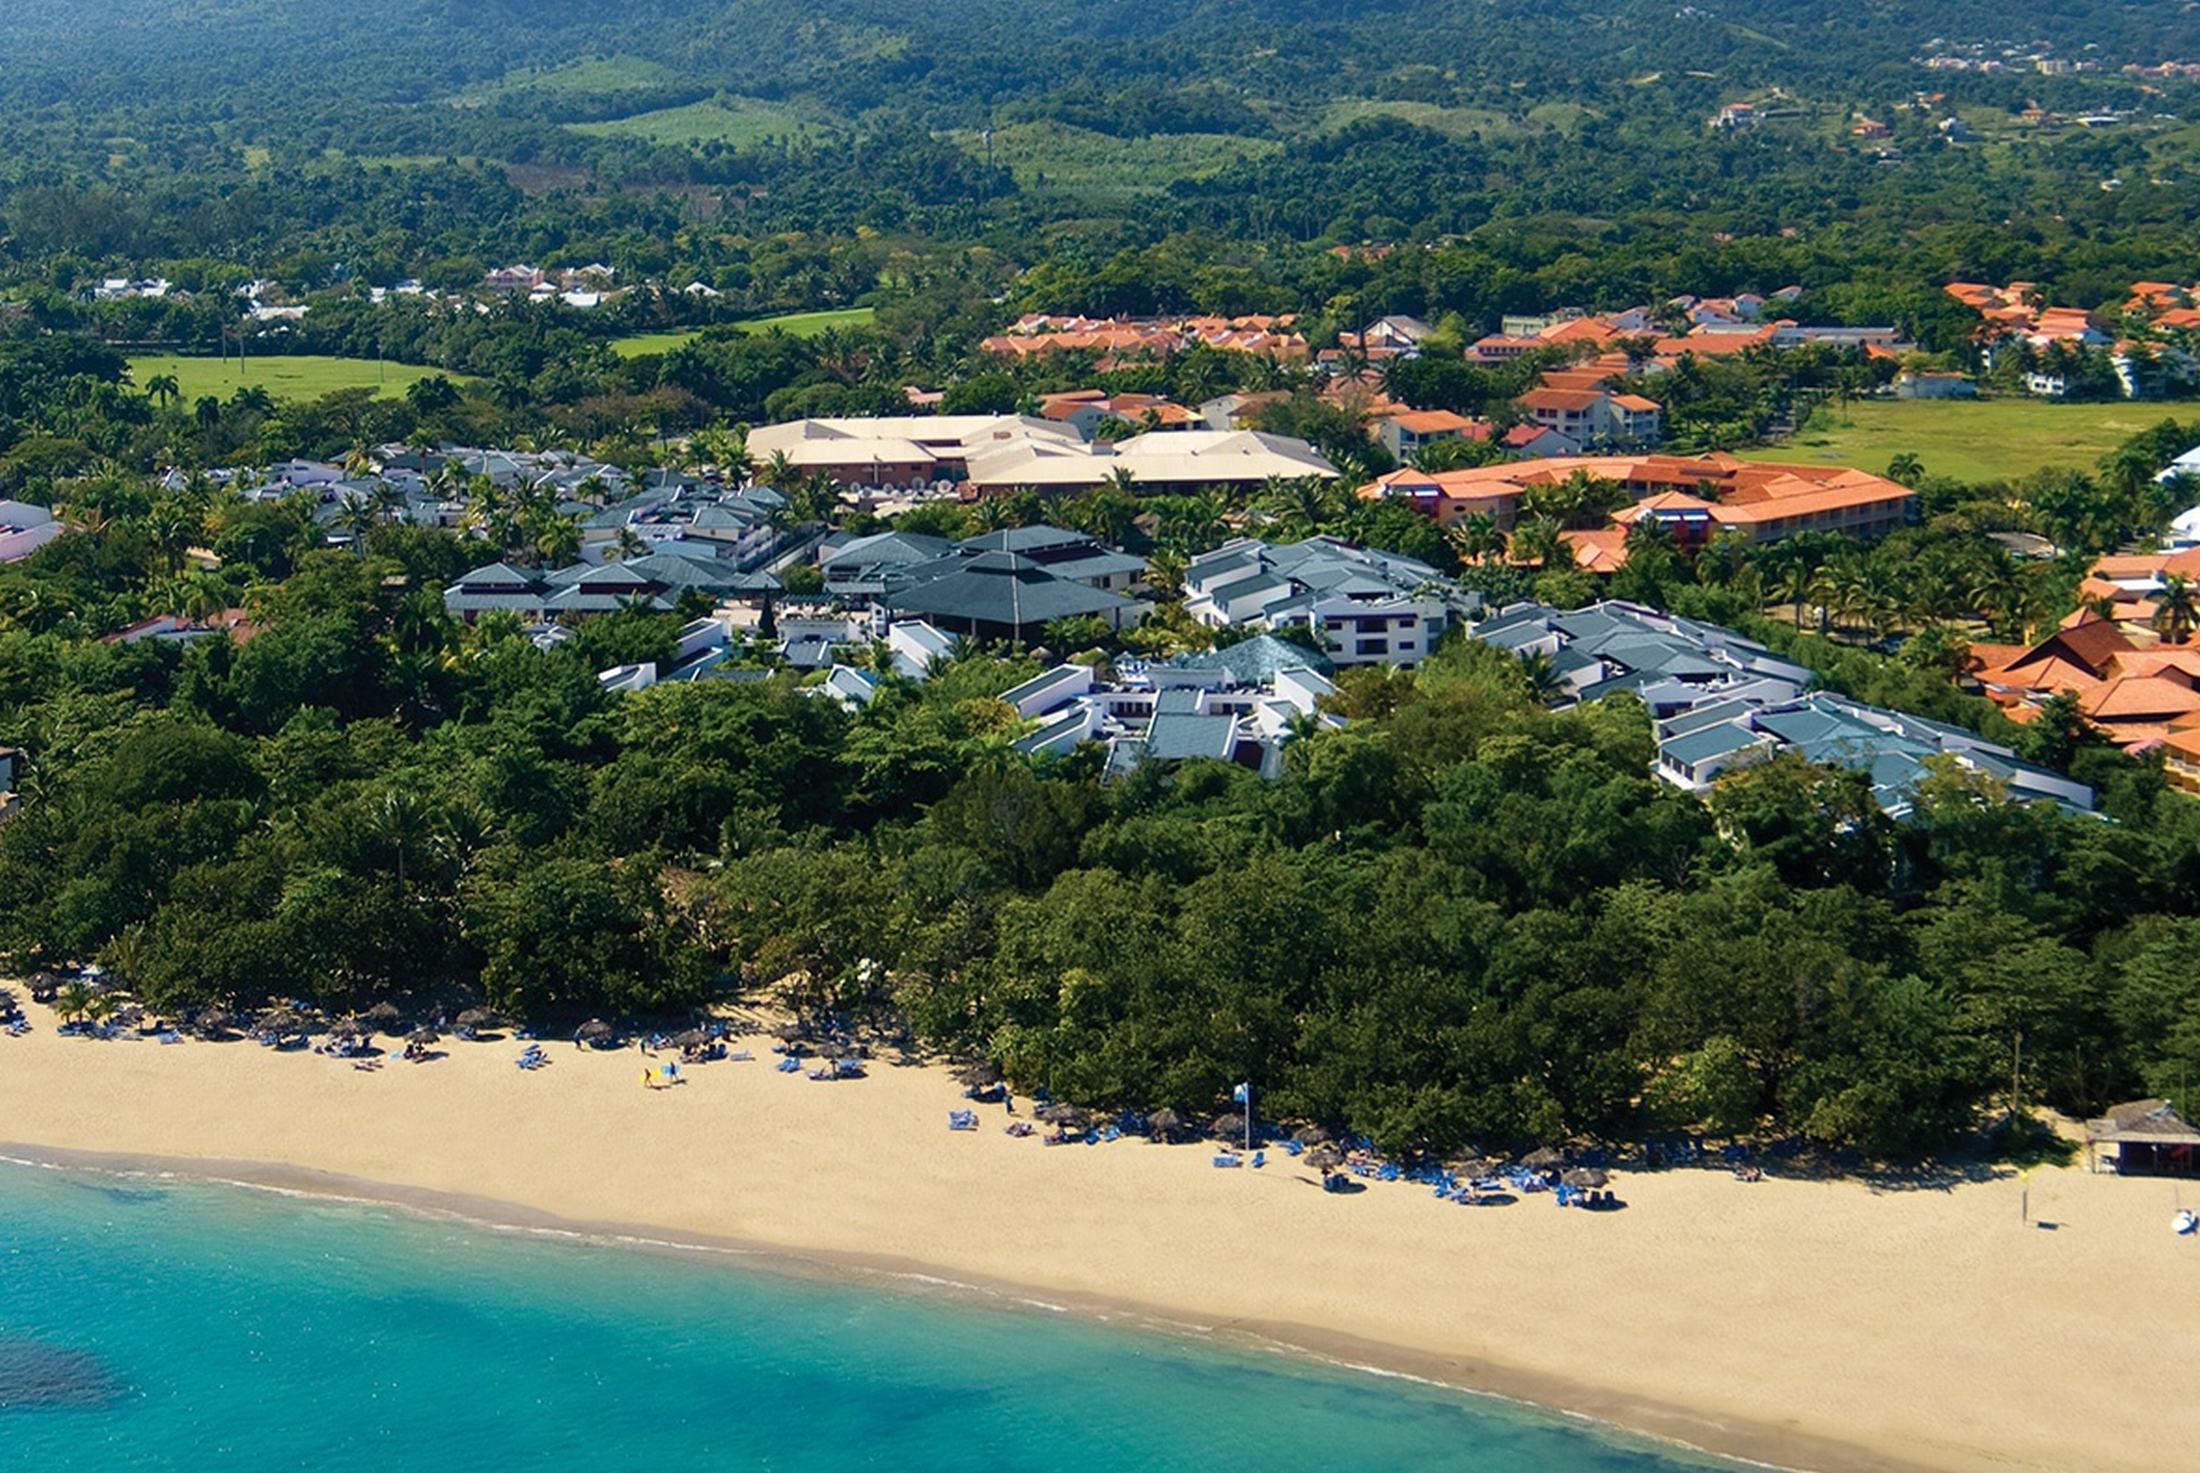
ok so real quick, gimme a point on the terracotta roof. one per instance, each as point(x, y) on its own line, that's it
point(1434, 422)
point(1559, 400)
point(2133, 697)
point(1599, 550)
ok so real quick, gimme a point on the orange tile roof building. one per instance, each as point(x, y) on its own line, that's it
point(2137, 691)
point(1694, 496)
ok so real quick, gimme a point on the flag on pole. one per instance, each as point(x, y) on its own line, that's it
point(1243, 1094)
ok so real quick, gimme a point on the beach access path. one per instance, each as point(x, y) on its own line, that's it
point(1827, 1325)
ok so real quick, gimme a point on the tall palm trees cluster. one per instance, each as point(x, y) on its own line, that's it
point(521, 521)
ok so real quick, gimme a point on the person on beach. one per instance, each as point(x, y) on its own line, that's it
point(649, 1079)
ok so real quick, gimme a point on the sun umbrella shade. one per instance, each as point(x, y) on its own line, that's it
point(1543, 1159)
point(595, 1030)
point(422, 1034)
point(789, 1032)
point(1230, 1125)
point(1586, 1176)
point(1067, 1116)
point(478, 1018)
point(1165, 1121)
point(692, 1038)
point(213, 1020)
point(982, 1075)
point(1324, 1158)
point(383, 1018)
point(1311, 1135)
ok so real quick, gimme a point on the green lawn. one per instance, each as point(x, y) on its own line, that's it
point(799, 324)
point(590, 76)
point(285, 378)
point(1078, 161)
point(1970, 439)
point(735, 121)
point(1457, 122)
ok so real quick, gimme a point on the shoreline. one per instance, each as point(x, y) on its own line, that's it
point(1672, 1427)
point(1838, 1327)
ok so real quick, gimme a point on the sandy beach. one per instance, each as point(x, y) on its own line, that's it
point(1831, 1326)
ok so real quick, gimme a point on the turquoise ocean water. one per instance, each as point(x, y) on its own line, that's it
point(146, 1324)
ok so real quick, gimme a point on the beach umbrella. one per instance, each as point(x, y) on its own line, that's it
point(1586, 1176)
point(349, 1026)
point(211, 1021)
point(1543, 1158)
point(478, 1018)
point(595, 1030)
point(383, 1017)
point(1325, 1158)
point(789, 1032)
point(983, 1075)
point(1165, 1122)
point(1311, 1135)
point(1069, 1117)
point(1232, 1126)
point(692, 1038)
point(422, 1034)
point(277, 1020)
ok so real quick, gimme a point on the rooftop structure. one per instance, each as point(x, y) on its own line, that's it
point(1695, 496)
point(1367, 607)
point(1721, 700)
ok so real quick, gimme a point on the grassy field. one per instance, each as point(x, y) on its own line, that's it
point(285, 378)
point(1970, 439)
point(800, 324)
point(1079, 161)
point(1455, 122)
point(590, 76)
point(736, 121)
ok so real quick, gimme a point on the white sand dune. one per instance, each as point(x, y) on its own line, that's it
point(1821, 1325)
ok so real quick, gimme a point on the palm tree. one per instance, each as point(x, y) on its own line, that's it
point(1538, 541)
point(1906, 468)
point(175, 528)
point(358, 515)
point(1540, 678)
point(2176, 609)
point(73, 1002)
point(1477, 538)
point(163, 390)
point(627, 545)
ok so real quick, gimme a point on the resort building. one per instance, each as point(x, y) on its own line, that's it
point(2138, 692)
point(1242, 710)
point(24, 529)
point(1158, 461)
point(1366, 607)
point(1721, 700)
point(1693, 496)
point(907, 450)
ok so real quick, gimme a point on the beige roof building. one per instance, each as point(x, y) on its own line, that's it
point(1157, 461)
point(900, 450)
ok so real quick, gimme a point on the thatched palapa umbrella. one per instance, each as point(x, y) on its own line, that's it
point(384, 1017)
point(212, 1022)
point(1164, 1123)
point(1325, 1158)
point(595, 1032)
point(692, 1038)
point(1231, 1126)
point(1311, 1135)
point(1586, 1176)
point(1543, 1158)
point(277, 1020)
point(475, 1019)
point(982, 1075)
point(1069, 1117)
